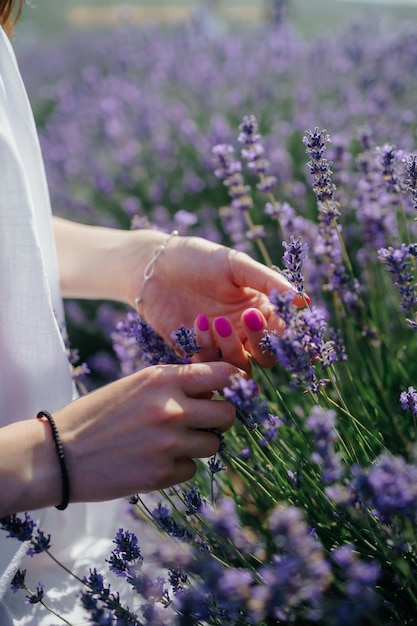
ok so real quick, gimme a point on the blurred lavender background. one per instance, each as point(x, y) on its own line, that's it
point(129, 106)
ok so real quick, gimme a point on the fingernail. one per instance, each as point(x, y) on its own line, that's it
point(202, 322)
point(223, 327)
point(253, 320)
point(302, 298)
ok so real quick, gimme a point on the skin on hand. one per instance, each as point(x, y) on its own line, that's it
point(138, 434)
point(141, 433)
point(197, 279)
point(192, 276)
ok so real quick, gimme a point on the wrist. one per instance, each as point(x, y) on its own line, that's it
point(30, 474)
point(103, 263)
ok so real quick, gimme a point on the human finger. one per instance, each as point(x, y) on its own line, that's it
point(201, 378)
point(255, 324)
point(204, 338)
point(247, 272)
point(229, 344)
point(216, 414)
point(179, 471)
point(199, 444)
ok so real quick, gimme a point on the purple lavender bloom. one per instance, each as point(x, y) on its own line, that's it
point(21, 529)
point(229, 170)
point(185, 340)
point(168, 524)
point(299, 574)
point(126, 553)
point(251, 410)
point(270, 430)
point(39, 542)
point(373, 208)
point(386, 158)
point(225, 524)
point(360, 579)
point(397, 262)
point(37, 596)
point(95, 582)
point(388, 488)
point(294, 256)
point(18, 581)
point(235, 227)
point(153, 349)
point(177, 579)
point(215, 465)
point(193, 500)
point(410, 167)
point(322, 424)
point(253, 152)
point(256, 232)
point(302, 343)
point(283, 303)
point(320, 168)
point(408, 401)
point(98, 614)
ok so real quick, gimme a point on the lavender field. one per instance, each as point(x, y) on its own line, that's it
point(314, 519)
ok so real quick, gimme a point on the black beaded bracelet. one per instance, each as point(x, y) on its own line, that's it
point(61, 458)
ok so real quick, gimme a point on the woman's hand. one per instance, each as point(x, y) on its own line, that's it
point(138, 434)
point(222, 292)
point(195, 282)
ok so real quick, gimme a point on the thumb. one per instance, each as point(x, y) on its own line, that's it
point(246, 272)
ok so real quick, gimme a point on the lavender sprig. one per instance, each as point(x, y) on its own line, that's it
point(397, 262)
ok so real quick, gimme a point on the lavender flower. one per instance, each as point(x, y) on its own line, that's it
point(328, 244)
point(294, 256)
point(373, 209)
point(295, 581)
point(408, 401)
point(21, 529)
point(168, 524)
point(37, 596)
point(322, 424)
point(177, 579)
point(103, 605)
point(243, 393)
point(229, 170)
point(302, 342)
point(410, 167)
point(193, 500)
point(153, 349)
point(186, 341)
point(388, 488)
point(360, 580)
point(253, 152)
point(315, 142)
point(126, 553)
point(225, 526)
point(98, 613)
point(386, 158)
point(397, 262)
point(18, 581)
point(215, 465)
point(39, 543)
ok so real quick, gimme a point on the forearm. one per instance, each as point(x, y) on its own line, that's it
point(98, 263)
point(29, 470)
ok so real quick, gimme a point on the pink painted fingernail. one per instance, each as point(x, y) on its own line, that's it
point(253, 320)
point(202, 322)
point(223, 327)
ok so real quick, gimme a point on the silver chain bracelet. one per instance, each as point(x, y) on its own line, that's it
point(150, 267)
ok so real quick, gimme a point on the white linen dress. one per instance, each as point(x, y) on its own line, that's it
point(34, 369)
